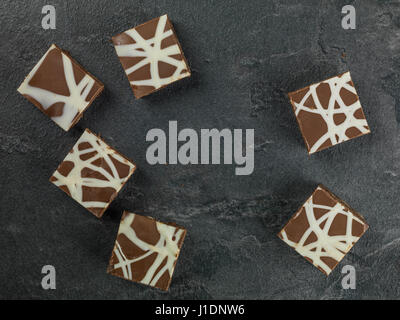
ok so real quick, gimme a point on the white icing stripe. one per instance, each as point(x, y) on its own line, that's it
point(131, 50)
point(166, 248)
point(333, 245)
point(74, 182)
point(153, 54)
point(74, 103)
point(335, 133)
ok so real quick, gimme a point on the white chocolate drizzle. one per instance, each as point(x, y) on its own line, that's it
point(74, 104)
point(166, 247)
point(151, 51)
point(335, 133)
point(326, 245)
point(74, 181)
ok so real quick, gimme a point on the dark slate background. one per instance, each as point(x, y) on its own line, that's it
point(245, 56)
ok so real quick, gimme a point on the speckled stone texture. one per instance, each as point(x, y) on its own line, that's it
point(245, 57)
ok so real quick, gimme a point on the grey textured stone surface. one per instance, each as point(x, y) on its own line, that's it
point(245, 56)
